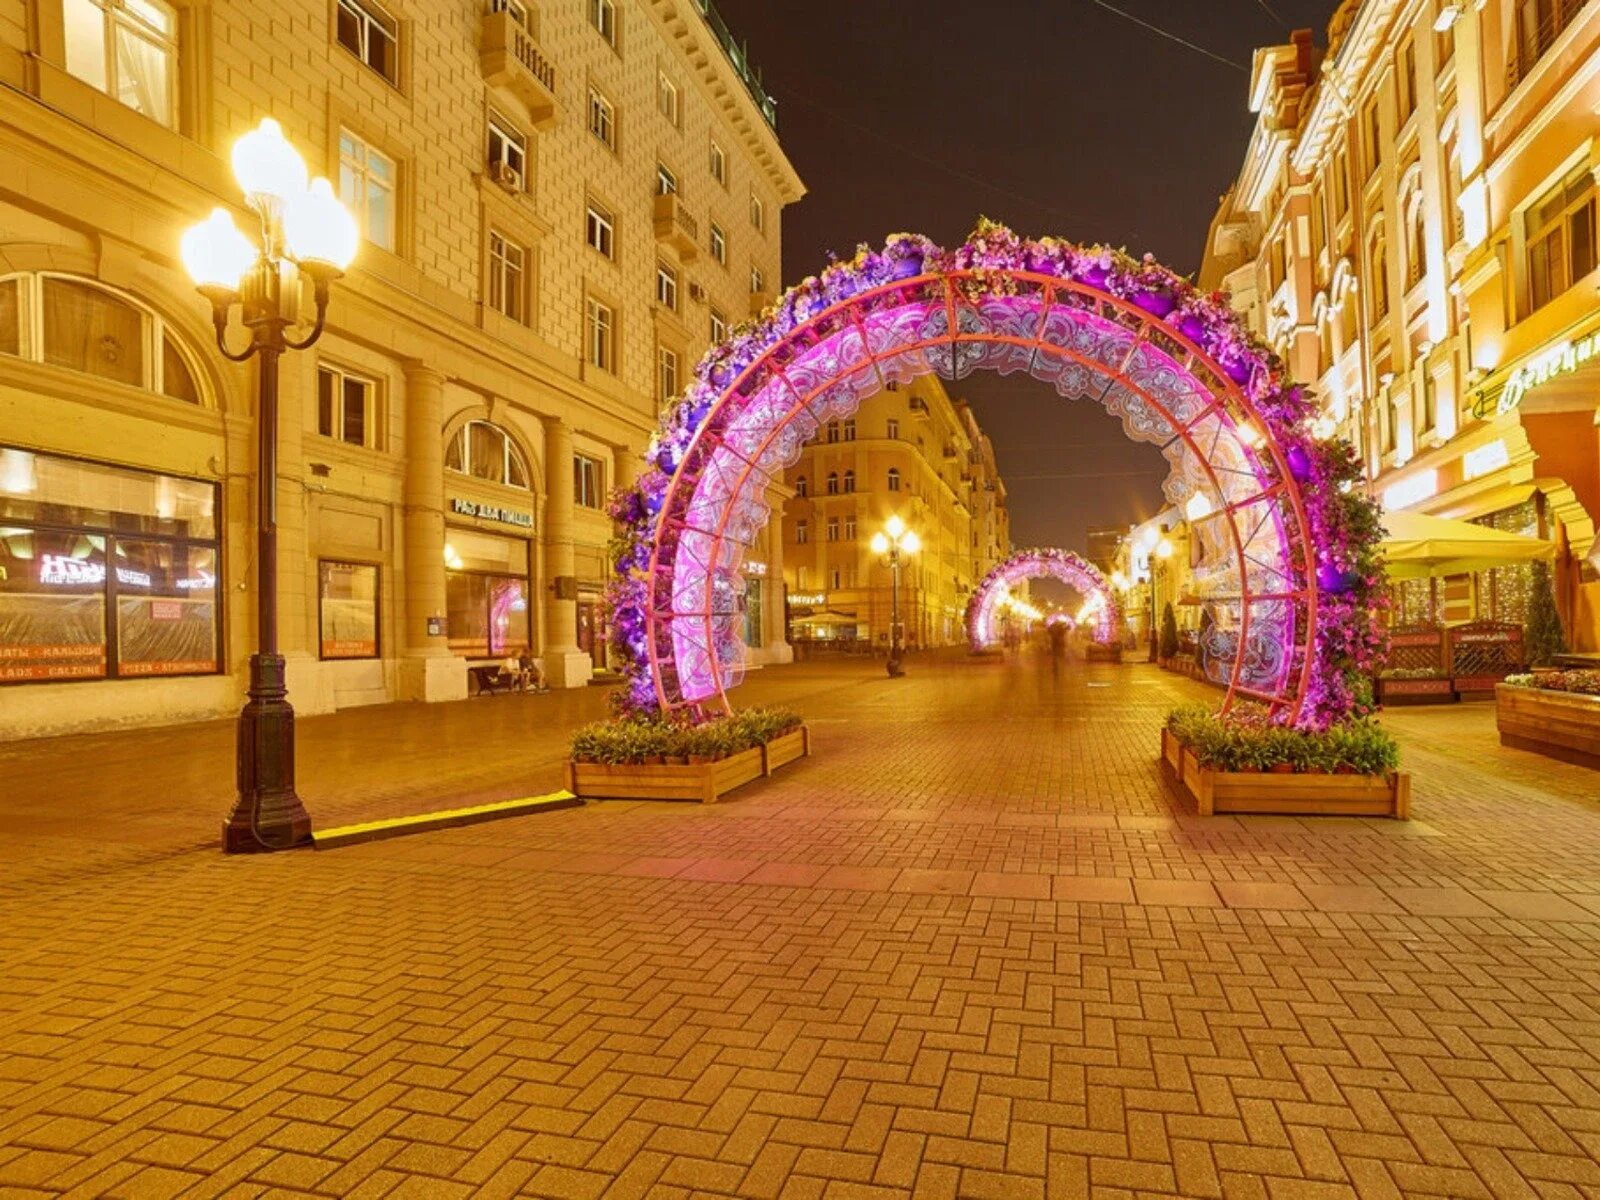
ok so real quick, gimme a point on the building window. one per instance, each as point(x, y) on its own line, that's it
point(105, 572)
point(802, 532)
point(600, 335)
point(1372, 132)
point(758, 281)
point(758, 213)
point(1561, 237)
point(1538, 24)
point(367, 179)
point(1407, 70)
point(128, 49)
point(667, 103)
point(486, 451)
point(508, 154)
point(1380, 280)
point(599, 230)
point(833, 483)
point(848, 429)
point(835, 578)
point(719, 328)
point(347, 407)
point(666, 181)
point(370, 34)
point(1341, 184)
point(602, 118)
point(588, 479)
point(719, 163)
point(603, 16)
point(667, 371)
point(1417, 251)
point(801, 487)
point(486, 594)
point(719, 244)
point(894, 479)
point(849, 483)
point(508, 277)
point(79, 325)
point(667, 286)
point(833, 529)
point(848, 531)
point(347, 609)
point(832, 432)
point(891, 427)
point(518, 11)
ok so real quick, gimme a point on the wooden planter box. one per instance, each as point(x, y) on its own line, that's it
point(1286, 795)
point(1558, 724)
point(703, 782)
point(1416, 691)
point(1099, 652)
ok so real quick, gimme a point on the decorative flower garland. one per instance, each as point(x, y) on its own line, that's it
point(1054, 563)
point(1350, 642)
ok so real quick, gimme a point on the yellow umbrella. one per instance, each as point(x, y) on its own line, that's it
point(1416, 546)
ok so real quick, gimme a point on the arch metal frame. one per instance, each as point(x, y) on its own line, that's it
point(1071, 569)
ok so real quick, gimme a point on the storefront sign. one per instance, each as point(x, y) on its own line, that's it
point(1561, 359)
point(808, 599)
point(753, 567)
point(60, 571)
point(1410, 491)
point(1479, 462)
point(166, 610)
point(491, 512)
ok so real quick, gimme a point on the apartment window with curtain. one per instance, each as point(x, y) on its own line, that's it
point(368, 183)
point(347, 407)
point(588, 481)
point(508, 277)
point(127, 49)
point(485, 451)
point(1560, 237)
point(371, 34)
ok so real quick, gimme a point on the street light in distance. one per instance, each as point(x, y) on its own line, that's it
point(889, 544)
point(306, 235)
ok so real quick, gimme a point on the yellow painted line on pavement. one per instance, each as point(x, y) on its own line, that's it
point(371, 831)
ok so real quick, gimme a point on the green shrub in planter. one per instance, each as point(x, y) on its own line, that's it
point(1244, 742)
point(636, 740)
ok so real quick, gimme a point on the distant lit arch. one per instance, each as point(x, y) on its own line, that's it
point(987, 603)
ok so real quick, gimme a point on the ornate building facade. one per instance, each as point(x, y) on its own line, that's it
point(910, 452)
point(1413, 228)
point(562, 205)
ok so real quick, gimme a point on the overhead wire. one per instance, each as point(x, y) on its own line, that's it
point(1169, 35)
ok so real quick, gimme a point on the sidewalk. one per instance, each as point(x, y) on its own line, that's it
point(974, 947)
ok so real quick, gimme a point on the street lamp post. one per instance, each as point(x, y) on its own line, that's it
point(889, 544)
point(1163, 551)
point(306, 234)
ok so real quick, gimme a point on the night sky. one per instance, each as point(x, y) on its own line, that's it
point(1055, 116)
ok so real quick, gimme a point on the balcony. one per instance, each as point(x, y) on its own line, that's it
point(1541, 25)
point(676, 226)
point(511, 60)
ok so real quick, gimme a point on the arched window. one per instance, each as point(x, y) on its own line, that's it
point(894, 479)
point(833, 483)
point(1417, 251)
point(849, 482)
point(68, 321)
point(1378, 278)
point(486, 451)
point(800, 486)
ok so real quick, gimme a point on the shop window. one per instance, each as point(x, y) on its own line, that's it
point(667, 100)
point(600, 229)
point(508, 154)
point(346, 407)
point(486, 451)
point(347, 609)
point(588, 481)
point(667, 373)
point(127, 49)
point(754, 594)
point(487, 595)
point(79, 325)
point(600, 342)
point(104, 572)
point(603, 16)
point(508, 277)
point(1561, 237)
point(602, 118)
point(368, 183)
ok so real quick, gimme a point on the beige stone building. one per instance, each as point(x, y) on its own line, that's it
point(562, 205)
point(910, 451)
point(1414, 229)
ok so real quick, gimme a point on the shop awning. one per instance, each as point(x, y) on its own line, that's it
point(1418, 546)
point(827, 619)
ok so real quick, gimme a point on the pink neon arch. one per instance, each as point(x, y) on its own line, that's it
point(1175, 366)
point(1071, 569)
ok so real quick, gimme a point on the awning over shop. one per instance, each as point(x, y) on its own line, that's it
point(828, 619)
point(1418, 546)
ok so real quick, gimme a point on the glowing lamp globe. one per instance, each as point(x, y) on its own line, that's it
point(1164, 549)
point(910, 543)
point(880, 544)
point(267, 167)
point(320, 232)
point(895, 526)
point(216, 254)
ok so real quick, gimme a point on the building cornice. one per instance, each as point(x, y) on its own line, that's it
point(1364, 44)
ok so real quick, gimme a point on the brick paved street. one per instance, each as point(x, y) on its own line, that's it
point(974, 947)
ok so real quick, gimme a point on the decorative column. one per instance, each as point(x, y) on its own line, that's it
point(428, 670)
point(565, 665)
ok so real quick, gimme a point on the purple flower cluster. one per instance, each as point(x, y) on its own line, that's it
point(1344, 525)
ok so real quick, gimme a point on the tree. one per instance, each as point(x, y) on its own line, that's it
point(1542, 638)
point(1169, 632)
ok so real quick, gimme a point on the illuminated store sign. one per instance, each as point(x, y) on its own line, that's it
point(58, 570)
point(491, 512)
point(1561, 359)
point(1411, 491)
point(1479, 462)
point(811, 599)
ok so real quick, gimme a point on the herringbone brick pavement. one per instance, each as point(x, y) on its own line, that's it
point(974, 947)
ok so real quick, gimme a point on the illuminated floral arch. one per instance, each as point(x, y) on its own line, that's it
point(1071, 569)
point(1296, 629)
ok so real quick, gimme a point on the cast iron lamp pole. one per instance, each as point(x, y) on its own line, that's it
point(306, 234)
point(889, 544)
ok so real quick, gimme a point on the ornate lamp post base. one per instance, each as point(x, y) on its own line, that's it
point(895, 669)
point(268, 814)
